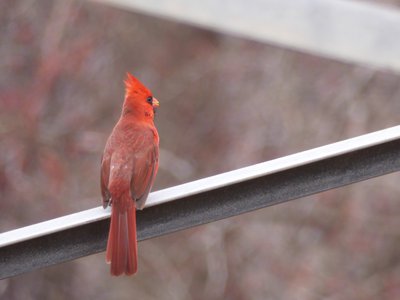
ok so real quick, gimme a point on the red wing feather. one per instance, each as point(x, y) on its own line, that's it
point(145, 169)
point(104, 177)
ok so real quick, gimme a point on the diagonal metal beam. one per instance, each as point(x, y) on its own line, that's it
point(206, 200)
point(350, 31)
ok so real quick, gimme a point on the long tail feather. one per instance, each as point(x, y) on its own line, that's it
point(122, 243)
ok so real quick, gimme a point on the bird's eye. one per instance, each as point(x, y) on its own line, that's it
point(150, 99)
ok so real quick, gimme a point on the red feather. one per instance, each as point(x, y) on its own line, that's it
point(128, 169)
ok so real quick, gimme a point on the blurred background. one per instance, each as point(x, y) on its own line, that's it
point(226, 103)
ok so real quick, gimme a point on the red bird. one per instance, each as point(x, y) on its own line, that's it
point(128, 169)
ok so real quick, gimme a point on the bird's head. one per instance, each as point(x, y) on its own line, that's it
point(139, 100)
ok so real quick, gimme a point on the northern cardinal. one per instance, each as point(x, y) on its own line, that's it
point(128, 168)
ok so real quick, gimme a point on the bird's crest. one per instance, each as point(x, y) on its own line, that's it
point(133, 86)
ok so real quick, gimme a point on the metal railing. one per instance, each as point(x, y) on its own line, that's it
point(206, 200)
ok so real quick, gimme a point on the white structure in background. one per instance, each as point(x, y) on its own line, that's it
point(349, 31)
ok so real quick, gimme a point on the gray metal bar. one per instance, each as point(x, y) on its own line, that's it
point(350, 31)
point(207, 206)
point(206, 184)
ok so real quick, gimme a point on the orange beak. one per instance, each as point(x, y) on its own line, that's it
point(155, 102)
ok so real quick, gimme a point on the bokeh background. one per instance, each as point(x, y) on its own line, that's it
point(226, 103)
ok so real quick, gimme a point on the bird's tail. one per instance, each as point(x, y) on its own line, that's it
point(122, 243)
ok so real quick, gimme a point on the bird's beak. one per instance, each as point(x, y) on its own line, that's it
point(155, 103)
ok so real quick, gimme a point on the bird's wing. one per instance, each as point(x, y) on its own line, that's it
point(104, 177)
point(145, 166)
